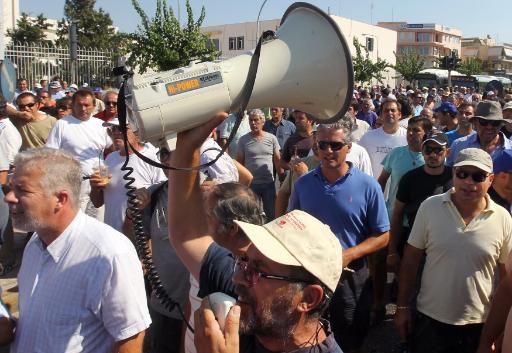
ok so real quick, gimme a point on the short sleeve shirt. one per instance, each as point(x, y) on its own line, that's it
point(463, 256)
point(259, 156)
point(216, 272)
point(282, 131)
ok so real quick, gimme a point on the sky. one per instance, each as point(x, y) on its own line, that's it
point(474, 18)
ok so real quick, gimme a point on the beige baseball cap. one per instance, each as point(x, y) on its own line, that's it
point(299, 239)
point(475, 157)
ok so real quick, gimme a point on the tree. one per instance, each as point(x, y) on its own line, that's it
point(94, 27)
point(408, 65)
point(365, 70)
point(471, 66)
point(161, 43)
point(29, 30)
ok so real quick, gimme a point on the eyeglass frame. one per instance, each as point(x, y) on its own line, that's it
point(472, 175)
point(242, 265)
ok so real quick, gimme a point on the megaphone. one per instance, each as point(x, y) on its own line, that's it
point(307, 66)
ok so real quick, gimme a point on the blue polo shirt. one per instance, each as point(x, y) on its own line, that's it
point(472, 141)
point(353, 206)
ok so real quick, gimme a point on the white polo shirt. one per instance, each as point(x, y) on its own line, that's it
point(461, 261)
point(82, 293)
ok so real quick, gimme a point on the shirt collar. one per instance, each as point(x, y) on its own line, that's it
point(490, 204)
point(60, 246)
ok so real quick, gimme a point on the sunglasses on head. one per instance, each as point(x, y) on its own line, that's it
point(23, 106)
point(478, 177)
point(485, 122)
point(335, 145)
point(430, 150)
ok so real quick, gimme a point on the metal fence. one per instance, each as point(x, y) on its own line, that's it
point(34, 63)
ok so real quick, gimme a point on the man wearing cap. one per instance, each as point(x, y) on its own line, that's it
point(56, 91)
point(284, 281)
point(84, 137)
point(465, 113)
point(487, 121)
point(501, 188)
point(507, 115)
point(110, 102)
point(352, 204)
point(415, 187)
point(446, 115)
point(465, 238)
point(112, 194)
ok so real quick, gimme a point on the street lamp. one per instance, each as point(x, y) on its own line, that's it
point(258, 22)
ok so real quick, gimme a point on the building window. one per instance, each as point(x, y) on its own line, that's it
point(406, 36)
point(213, 43)
point(240, 43)
point(436, 51)
point(232, 43)
point(407, 49)
point(424, 37)
point(424, 51)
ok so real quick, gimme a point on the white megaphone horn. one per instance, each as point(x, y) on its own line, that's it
point(307, 66)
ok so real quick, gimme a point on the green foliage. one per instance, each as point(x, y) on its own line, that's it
point(161, 43)
point(408, 65)
point(94, 27)
point(365, 70)
point(471, 66)
point(29, 30)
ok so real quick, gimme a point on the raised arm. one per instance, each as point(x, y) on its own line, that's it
point(188, 228)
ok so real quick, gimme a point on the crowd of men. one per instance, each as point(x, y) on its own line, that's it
point(301, 222)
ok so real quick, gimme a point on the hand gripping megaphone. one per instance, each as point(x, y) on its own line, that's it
point(307, 66)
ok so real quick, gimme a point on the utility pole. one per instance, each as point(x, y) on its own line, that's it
point(73, 49)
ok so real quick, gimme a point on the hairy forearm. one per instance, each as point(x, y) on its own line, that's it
point(96, 196)
point(407, 275)
point(368, 246)
point(396, 232)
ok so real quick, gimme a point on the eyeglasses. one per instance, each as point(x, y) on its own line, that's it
point(335, 145)
point(429, 150)
point(478, 177)
point(114, 104)
point(485, 122)
point(162, 154)
point(23, 106)
point(252, 276)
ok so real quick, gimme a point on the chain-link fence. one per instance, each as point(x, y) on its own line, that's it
point(35, 62)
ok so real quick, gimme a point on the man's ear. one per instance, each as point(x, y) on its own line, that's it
point(63, 198)
point(312, 297)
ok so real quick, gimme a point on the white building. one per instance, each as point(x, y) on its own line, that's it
point(235, 39)
point(9, 12)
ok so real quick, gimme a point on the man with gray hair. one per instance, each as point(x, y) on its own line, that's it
point(366, 113)
point(81, 286)
point(257, 151)
point(352, 204)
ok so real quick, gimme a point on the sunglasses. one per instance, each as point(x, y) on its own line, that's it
point(334, 145)
point(163, 154)
point(429, 150)
point(114, 104)
point(485, 122)
point(252, 276)
point(478, 177)
point(23, 106)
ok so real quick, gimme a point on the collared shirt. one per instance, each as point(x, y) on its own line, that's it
point(353, 206)
point(465, 256)
point(282, 131)
point(82, 293)
point(473, 141)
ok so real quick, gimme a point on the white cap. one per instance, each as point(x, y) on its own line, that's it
point(299, 239)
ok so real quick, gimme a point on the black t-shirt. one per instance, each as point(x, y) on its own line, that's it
point(416, 186)
point(303, 144)
point(498, 199)
point(217, 272)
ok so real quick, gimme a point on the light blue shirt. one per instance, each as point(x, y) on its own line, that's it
point(82, 293)
point(472, 141)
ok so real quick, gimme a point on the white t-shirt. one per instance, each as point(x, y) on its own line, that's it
point(114, 195)
point(85, 140)
point(360, 159)
point(224, 170)
point(379, 143)
point(10, 139)
point(360, 128)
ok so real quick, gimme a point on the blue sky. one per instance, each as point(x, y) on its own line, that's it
point(474, 18)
